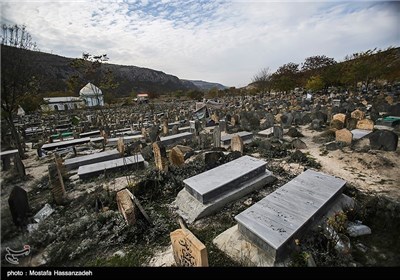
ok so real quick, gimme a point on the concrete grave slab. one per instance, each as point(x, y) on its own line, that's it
point(73, 163)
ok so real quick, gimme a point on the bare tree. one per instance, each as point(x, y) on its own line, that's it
point(17, 36)
point(263, 80)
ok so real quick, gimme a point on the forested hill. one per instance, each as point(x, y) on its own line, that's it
point(55, 75)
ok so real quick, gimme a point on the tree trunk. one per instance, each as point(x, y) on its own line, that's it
point(15, 136)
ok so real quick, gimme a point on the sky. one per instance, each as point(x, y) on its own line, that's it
point(227, 42)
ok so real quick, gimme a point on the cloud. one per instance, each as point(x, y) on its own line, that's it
point(221, 41)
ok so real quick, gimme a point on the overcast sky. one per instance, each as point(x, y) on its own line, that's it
point(216, 41)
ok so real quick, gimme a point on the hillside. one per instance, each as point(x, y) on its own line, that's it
point(203, 85)
point(53, 72)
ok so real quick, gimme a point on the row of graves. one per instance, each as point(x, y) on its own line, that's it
point(266, 232)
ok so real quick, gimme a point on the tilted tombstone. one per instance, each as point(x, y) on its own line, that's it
point(176, 157)
point(222, 126)
point(187, 249)
point(174, 130)
point(384, 140)
point(126, 206)
point(358, 115)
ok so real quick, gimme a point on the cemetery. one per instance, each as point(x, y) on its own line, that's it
point(283, 194)
point(297, 169)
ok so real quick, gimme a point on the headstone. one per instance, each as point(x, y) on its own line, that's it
point(56, 182)
point(365, 124)
point(160, 156)
point(217, 137)
point(19, 206)
point(275, 222)
point(176, 157)
point(174, 130)
point(337, 124)
point(298, 144)
point(237, 144)
point(215, 118)
point(316, 124)
point(235, 120)
point(126, 206)
point(293, 132)
point(287, 120)
point(278, 132)
point(188, 250)
point(121, 146)
point(358, 114)
point(153, 134)
point(344, 135)
point(339, 117)
point(351, 123)
point(384, 140)
point(222, 126)
point(269, 120)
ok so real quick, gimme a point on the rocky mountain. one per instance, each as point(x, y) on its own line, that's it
point(54, 72)
point(203, 85)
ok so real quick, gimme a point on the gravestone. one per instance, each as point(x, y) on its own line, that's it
point(384, 140)
point(222, 126)
point(298, 144)
point(165, 127)
point(351, 124)
point(187, 249)
point(278, 132)
point(235, 120)
point(19, 206)
point(344, 135)
point(126, 206)
point(365, 124)
point(153, 134)
point(121, 146)
point(293, 132)
point(174, 130)
point(316, 124)
point(160, 156)
point(217, 137)
point(176, 157)
point(212, 159)
point(275, 222)
point(73, 163)
point(237, 144)
point(339, 117)
point(358, 115)
point(56, 182)
point(269, 120)
point(287, 120)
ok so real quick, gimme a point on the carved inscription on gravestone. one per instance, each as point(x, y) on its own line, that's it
point(188, 250)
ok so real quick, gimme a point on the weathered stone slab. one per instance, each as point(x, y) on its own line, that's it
point(208, 185)
point(19, 206)
point(73, 163)
point(237, 144)
point(274, 222)
point(188, 250)
point(160, 156)
point(126, 139)
point(246, 136)
point(87, 171)
point(267, 132)
point(89, 133)
point(175, 139)
point(64, 144)
point(360, 133)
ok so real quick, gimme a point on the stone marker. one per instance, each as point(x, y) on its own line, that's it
point(176, 157)
point(384, 140)
point(188, 250)
point(6, 158)
point(126, 206)
point(235, 120)
point(237, 144)
point(222, 126)
point(73, 163)
point(357, 114)
point(160, 156)
point(276, 221)
point(278, 132)
point(293, 132)
point(111, 166)
point(365, 124)
point(298, 144)
point(19, 206)
point(56, 181)
point(165, 127)
point(344, 135)
point(217, 137)
point(339, 117)
point(121, 146)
